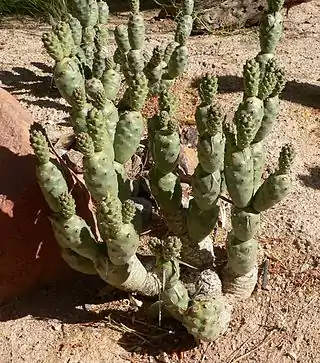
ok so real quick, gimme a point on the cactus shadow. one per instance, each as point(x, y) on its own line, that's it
point(21, 80)
point(311, 180)
point(29, 255)
point(143, 335)
point(68, 302)
point(122, 6)
point(305, 94)
point(15, 165)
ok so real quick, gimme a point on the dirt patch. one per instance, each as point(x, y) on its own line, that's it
point(277, 324)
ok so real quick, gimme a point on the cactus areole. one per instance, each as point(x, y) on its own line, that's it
point(231, 158)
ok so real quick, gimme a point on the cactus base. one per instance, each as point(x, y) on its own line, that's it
point(239, 286)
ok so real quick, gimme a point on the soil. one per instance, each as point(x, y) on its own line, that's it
point(280, 322)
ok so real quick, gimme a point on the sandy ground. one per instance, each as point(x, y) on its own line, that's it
point(278, 324)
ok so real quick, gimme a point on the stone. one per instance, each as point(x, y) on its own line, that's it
point(29, 254)
point(188, 161)
point(218, 14)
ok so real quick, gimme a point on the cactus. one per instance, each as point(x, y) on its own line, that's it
point(49, 174)
point(108, 133)
point(245, 157)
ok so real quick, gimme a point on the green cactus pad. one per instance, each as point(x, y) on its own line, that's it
point(52, 183)
point(99, 133)
point(79, 111)
point(171, 248)
point(259, 156)
point(67, 77)
point(103, 12)
point(251, 76)
point(166, 149)
point(67, 206)
point(86, 11)
point(175, 299)
point(280, 82)
point(128, 211)
point(49, 175)
point(75, 234)
point(122, 39)
point(109, 216)
point(178, 61)
point(153, 70)
point(209, 119)
point(246, 129)
point(123, 181)
point(269, 80)
point(238, 171)
point(169, 51)
point(205, 187)
point(184, 29)
point(111, 117)
point(76, 29)
point(135, 60)
point(138, 91)
point(251, 107)
point(286, 158)
point(99, 173)
point(245, 223)
point(95, 92)
point(202, 113)
point(207, 319)
point(275, 5)
point(128, 135)
point(121, 239)
point(123, 245)
point(64, 34)
point(98, 66)
point(53, 46)
point(88, 46)
point(136, 31)
point(187, 7)
point(242, 256)
point(77, 262)
point(208, 89)
point(85, 144)
point(134, 6)
point(211, 152)
point(277, 185)
point(39, 144)
point(167, 101)
point(111, 80)
point(271, 29)
point(200, 223)
point(166, 189)
point(271, 111)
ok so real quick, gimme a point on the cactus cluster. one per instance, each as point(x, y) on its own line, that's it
point(108, 129)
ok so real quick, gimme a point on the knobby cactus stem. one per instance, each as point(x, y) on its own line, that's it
point(231, 157)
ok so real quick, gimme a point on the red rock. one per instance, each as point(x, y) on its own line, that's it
point(29, 254)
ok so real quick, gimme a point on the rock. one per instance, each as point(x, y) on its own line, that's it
point(186, 194)
point(188, 160)
point(189, 136)
point(216, 14)
point(163, 357)
point(29, 254)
